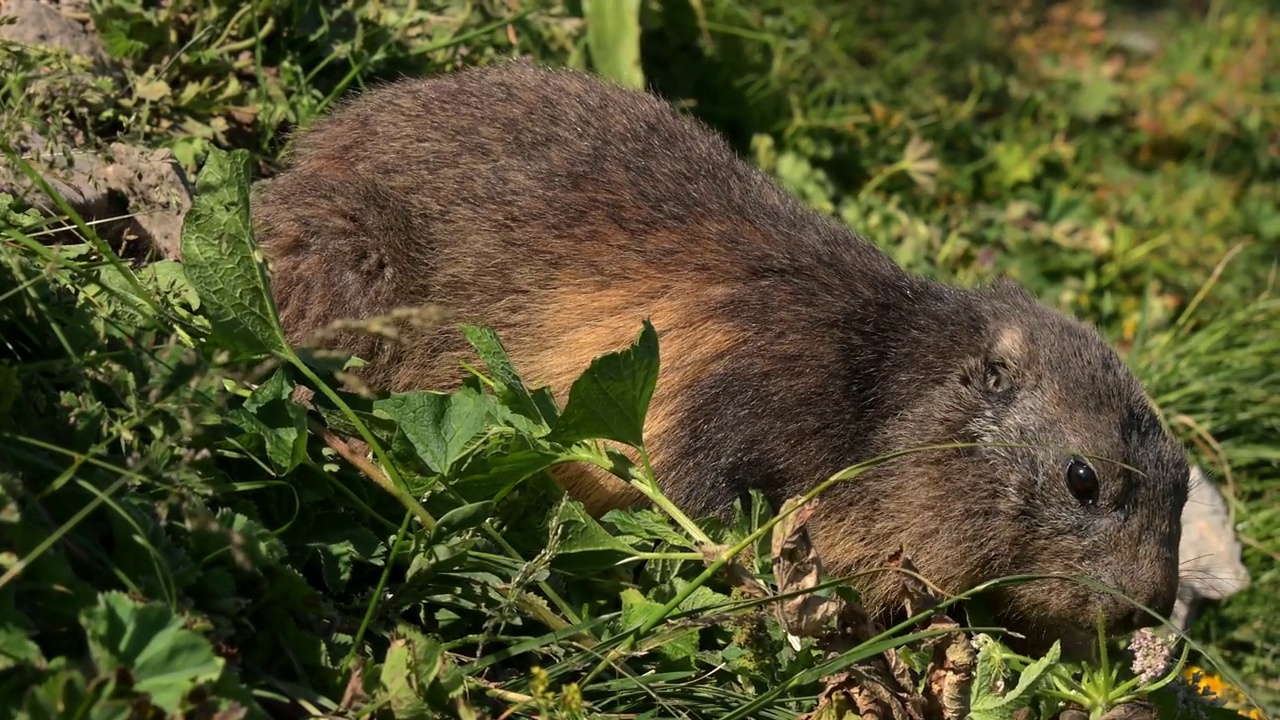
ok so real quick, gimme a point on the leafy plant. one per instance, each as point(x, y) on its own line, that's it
point(184, 535)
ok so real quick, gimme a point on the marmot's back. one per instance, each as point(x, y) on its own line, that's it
point(561, 211)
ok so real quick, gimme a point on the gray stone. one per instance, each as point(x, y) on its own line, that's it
point(1209, 553)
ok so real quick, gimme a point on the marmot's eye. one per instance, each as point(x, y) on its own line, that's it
point(1082, 481)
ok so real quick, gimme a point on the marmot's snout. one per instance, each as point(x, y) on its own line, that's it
point(1153, 587)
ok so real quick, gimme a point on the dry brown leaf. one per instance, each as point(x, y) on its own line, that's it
point(950, 675)
point(873, 696)
point(1136, 710)
point(354, 696)
point(899, 671)
point(853, 691)
point(243, 114)
point(917, 596)
point(737, 573)
point(951, 666)
point(796, 567)
point(880, 688)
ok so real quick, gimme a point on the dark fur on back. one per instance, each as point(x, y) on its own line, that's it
point(561, 211)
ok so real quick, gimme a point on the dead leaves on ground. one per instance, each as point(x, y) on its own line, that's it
point(882, 687)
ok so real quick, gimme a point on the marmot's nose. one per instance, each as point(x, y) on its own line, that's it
point(1123, 618)
point(1158, 594)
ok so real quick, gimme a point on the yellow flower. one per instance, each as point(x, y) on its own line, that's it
point(1215, 686)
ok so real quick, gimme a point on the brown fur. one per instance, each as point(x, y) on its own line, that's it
point(561, 211)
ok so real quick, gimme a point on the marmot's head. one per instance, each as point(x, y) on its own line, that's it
point(1077, 475)
point(1099, 495)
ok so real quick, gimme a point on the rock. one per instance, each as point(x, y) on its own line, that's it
point(60, 59)
point(1209, 553)
point(136, 199)
point(39, 24)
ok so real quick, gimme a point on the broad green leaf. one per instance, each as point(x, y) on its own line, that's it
point(991, 705)
point(647, 524)
point(438, 558)
point(417, 677)
point(115, 292)
point(610, 400)
point(990, 669)
point(427, 654)
point(493, 475)
point(281, 424)
point(678, 643)
point(165, 660)
point(259, 544)
point(222, 262)
point(1033, 673)
point(339, 544)
point(584, 545)
point(168, 276)
point(399, 691)
point(987, 701)
point(1015, 164)
point(16, 648)
point(613, 39)
point(511, 388)
point(460, 519)
point(119, 39)
point(701, 598)
point(441, 427)
point(66, 694)
point(636, 608)
point(1096, 96)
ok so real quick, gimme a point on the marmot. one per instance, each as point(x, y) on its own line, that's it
point(561, 210)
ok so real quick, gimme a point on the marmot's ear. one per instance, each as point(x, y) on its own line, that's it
point(1001, 367)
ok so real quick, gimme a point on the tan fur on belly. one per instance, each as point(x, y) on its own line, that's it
point(576, 326)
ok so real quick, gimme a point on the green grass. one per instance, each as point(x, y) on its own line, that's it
point(180, 537)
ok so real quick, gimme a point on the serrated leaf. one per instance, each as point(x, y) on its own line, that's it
point(511, 388)
point(493, 475)
point(270, 414)
point(398, 690)
point(165, 660)
point(1033, 673)
point(701, 598)
point(647, 524)
point(440, 427)
point(673, 643)
point(17, 649)
point(636, 608)
point(118, 294)
point(117, 40)
point(339, 546)
point(152, 90)
point(222, 262)
point(262, 546)
point(168, 276)
point(584, 545)
point(62, 691)
point(414, 669)
point(610, 400)
point(990, 669)
point(985, 704)
point(1096, 96)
